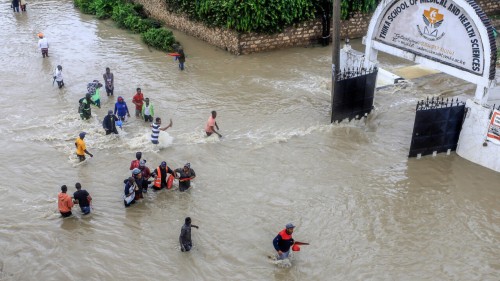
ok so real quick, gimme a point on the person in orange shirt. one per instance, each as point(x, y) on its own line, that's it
point(81, 147)
point(64, 202)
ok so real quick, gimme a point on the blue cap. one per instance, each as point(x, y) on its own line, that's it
point(164, 164)
point(82, 134)
point(136, 171)
point(289, 225)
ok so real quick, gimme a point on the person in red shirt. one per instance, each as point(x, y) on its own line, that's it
point(64, 202)
point(135, 163)
point(138, 100)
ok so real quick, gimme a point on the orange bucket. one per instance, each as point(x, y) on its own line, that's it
point(295, 248)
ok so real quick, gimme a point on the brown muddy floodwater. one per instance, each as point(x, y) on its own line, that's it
point(368, 211)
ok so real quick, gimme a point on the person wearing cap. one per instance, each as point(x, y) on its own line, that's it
point(185, 237)
point(211, 125)
point(121, 109)
point(109, 81)
point(137, 175)
point(109, 123)
point(64, 202)
point(160, 175)
point(135, 163)
point(156, 128)
point(138, 100)
point(129, 191)
point(82, 198)
point(186, 174)
point(148, 111)
point(84, 109)
point(146, 174)
point(81, 148)
point(284, 241)
point(43, 45)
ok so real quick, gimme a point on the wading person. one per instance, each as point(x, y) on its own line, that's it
point(186, 175)
point(146, 174)
point(211, 125)
point(137, 175)
point(284, 241)
point(81, 148)
point(156, 128)
point(160, 177)
point(109, 82)
point(43, 44)
point(148, 111)
point(64, 202)
point(181, 58)
point(129, 191)
point(15, 5)
point(82, 198)
point(185, 237)
point(138, 100)
point(135, 163)
point(121, 109)
point(58, 76)
point(84, 108)
point(109, 123)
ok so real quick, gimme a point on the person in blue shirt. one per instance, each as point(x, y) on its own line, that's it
point(121, 109)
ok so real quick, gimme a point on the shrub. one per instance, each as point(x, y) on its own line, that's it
point(86, 6)
point(159, 38)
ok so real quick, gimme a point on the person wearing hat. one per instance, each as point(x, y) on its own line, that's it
point(137, 175)
point(121, 109)
point(81, 148)
point(146, 174)
point(185, 237)
point(82, 198)
point(43, 44)
point(160, 174)
point(64, 202)
point(186, 174)
point(135, 163)
point(148, 111)
point(109, 123)
point(284, 241)
point(156, 128)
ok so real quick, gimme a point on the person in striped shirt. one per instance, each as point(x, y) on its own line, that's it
point(155, 129)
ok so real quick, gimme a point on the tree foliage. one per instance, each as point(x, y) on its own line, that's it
point(265, 16)
point(130, 16)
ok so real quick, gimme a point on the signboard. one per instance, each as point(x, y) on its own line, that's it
point(439, 30)
point(494, 128)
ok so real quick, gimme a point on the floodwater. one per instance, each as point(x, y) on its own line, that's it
point(368, 211)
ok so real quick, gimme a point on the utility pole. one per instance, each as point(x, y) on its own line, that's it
point(336, 47)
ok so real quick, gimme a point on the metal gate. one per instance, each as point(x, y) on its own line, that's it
point(353, 97)
point(437, 126)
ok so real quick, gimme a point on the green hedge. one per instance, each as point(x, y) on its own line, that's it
point(130, 16)
point(263, 16)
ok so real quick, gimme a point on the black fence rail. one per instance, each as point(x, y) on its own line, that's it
point(437, 127)
point(354, 72)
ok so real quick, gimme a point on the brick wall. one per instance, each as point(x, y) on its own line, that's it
point(303, 34)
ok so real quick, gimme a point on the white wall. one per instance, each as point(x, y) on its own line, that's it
point(473, 135)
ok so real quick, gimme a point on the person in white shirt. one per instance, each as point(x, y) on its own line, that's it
point(43, 44)
point(58, 76)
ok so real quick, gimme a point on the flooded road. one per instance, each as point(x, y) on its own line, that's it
point(368, 211)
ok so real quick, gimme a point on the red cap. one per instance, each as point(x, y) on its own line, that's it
point(295, 248)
